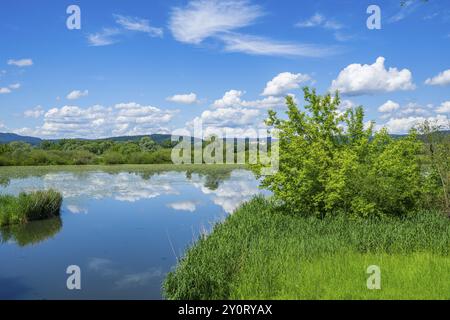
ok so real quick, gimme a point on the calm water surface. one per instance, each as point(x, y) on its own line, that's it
point(124, 230)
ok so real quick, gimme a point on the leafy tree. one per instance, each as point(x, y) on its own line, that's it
point(330, 162)
point(147, 144)
point(4, 148)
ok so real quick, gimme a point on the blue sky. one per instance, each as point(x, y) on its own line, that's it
point(141, 67)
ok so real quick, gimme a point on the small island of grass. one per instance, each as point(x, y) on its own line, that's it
point(37, 205)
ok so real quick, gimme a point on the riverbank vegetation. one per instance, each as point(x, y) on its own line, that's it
point(31, 206)
point(85, 152)
point(125, 150)
point(344, 198)
point(261, 253)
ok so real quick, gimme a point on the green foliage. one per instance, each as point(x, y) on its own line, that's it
point(259, 252)
point(326, 169)
point(85, 152)
point(29, 206)
point(437, 161)
point(113, 157)
point(147, 144)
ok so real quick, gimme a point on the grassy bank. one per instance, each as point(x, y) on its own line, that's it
point(26, 207)
point(258, 253)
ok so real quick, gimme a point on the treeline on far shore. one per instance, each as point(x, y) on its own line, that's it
point(86, 152)
point(143, 150)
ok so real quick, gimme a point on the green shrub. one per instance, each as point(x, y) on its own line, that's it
point(113, 157)
point(330, 163)
point(83, 157)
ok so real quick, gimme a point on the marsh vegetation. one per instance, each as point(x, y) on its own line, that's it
point(30, 206)
point(261, 253)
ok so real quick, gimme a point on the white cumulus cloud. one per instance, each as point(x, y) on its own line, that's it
point(441, 79)
point(36, 112)
point(403, 125)
point(230, 117)
point(233, 99)
point(415, 109)
point(388, 106)
point(135, 119)
point(233, 116)
point(98, 121)
point(444, 107)
point(183, 98)
point(357, 79)
point(77, 94)
point(284, 82)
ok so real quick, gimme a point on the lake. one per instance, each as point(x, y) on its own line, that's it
point(125, 227)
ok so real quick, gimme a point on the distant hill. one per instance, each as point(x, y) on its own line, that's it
point(11, 137)
point(158, 138)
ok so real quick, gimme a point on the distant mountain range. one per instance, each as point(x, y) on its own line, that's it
point(11, 137)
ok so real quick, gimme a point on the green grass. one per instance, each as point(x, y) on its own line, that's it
point(31, 206)
point(258, 253)
point(343, 276)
